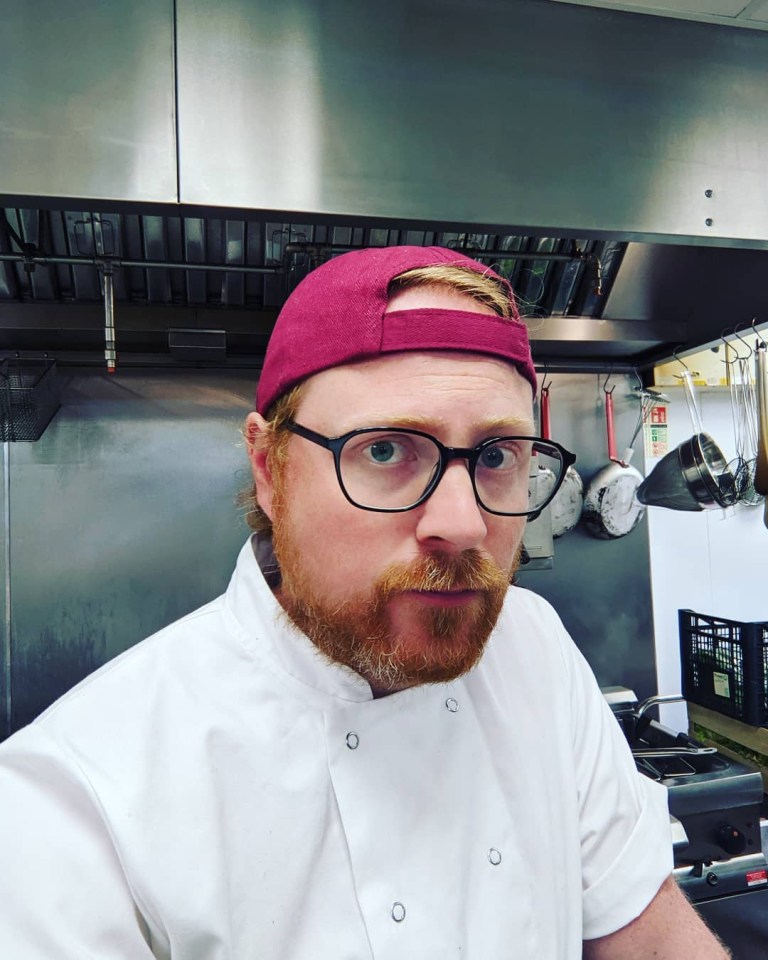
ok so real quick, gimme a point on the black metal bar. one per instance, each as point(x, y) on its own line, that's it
point(477, 253)
point(151, 264)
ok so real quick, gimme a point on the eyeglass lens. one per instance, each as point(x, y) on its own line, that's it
point(392, 470)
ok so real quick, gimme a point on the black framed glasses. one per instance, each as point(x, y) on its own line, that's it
point(390, 470)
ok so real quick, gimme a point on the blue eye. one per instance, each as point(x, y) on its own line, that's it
point(382, 451)
point(493, 458)
point(505, 455)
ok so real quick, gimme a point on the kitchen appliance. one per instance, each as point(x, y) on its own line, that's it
point(719, 835)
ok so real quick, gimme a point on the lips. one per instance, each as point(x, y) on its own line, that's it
point(444, 598)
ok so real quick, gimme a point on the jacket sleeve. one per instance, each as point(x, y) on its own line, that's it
point(626, 843)
point(63, 892)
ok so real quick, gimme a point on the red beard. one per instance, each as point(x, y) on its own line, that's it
point(440, 643)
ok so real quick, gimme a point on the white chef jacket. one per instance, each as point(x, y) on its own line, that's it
point(221, 792)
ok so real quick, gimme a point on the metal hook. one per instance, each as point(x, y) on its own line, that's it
point(605, 385)
point(754, 330)
point(729, 346)
point(736, 333)
point(544, 385)
point(674, 354)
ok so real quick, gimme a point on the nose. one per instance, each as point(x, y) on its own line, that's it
point(452, 517)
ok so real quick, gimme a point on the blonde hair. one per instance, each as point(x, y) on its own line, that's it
point(485, 288)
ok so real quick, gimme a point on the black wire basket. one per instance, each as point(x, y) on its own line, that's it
point(29, 397)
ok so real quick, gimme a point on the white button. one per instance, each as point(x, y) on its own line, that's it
point(398, 912)
point(352, 741)
point(494, 856)
point(451, 705)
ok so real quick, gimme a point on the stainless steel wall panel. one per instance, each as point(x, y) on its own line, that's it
point(527, 113)
point(123, 520)
point(87, 104)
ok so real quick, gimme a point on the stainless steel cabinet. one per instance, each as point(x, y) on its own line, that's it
point(87, 99)
point(531, 114)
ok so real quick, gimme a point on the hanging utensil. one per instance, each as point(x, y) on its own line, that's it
point(701, 459)
point(542, 477)
point(744, 414)
point(694, 476)
point(566, 508)
point(611, 509)
point(761, 466)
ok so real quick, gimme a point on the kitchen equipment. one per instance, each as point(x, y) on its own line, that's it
point(761, 466)
point(744, 417)
point(695, 475)
point(715, 814)
point(611, 509)
point(566, 508)
point(29, 397)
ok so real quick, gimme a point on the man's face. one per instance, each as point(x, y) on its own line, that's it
point(401, 598)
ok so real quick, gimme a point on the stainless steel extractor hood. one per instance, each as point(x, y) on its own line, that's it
point(586, 302)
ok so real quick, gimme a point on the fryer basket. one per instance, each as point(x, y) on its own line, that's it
point(29, 397)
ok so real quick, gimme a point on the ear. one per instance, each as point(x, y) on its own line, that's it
point(257, 440)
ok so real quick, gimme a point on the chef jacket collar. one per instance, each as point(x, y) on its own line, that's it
point(268, 632)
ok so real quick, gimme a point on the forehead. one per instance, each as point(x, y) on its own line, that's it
point(438, 389)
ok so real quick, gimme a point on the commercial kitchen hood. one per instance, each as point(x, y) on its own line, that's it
point(612, 165)
point(197, 288)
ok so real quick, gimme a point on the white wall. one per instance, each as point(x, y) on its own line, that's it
point(714, 562)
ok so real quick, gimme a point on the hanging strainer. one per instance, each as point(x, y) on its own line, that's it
point(694, 476)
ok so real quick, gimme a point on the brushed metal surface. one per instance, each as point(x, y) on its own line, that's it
point(532, 114)
point(124, 518)
point(87, 103)
point(701, 289)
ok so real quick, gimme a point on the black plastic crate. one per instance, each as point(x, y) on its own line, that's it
point(29, 397)
point(725, 666)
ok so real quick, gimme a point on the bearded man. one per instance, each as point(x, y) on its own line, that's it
point(372, 745)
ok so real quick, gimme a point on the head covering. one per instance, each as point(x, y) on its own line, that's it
point(337, 315)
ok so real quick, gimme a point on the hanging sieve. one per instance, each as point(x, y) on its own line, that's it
point(694, 476)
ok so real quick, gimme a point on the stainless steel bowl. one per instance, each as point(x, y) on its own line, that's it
point(706, 473)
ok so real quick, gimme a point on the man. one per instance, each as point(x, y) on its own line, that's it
point(372, 745)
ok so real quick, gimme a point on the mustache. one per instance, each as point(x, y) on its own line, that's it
point(438, 572)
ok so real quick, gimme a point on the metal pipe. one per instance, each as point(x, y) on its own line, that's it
point(290, 249)
point(149, 264)
point(561, 365)
point(656, 701)
point(479, 254)
point(523, 255)
point(110, 354)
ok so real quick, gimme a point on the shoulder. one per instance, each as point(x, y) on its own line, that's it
point(168, 674)
point(529, 624)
